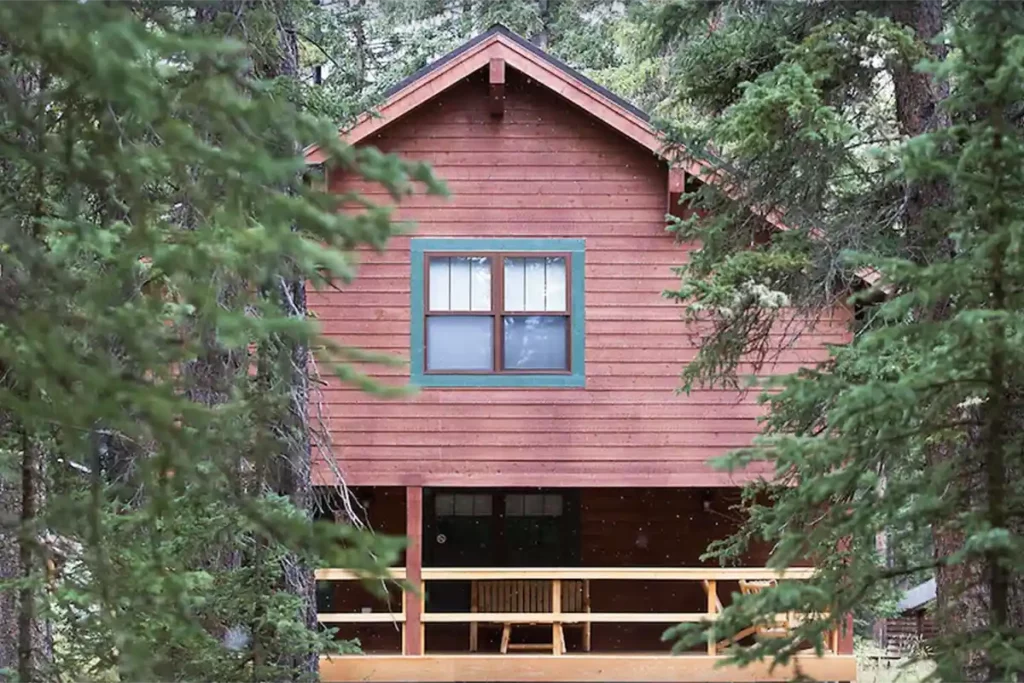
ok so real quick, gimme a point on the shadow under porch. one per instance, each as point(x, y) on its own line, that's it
point(606, 528)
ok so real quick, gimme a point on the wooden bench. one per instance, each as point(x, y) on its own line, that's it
point(530, 597)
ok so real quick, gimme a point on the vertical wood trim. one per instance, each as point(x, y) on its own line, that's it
point(676, 186)
point(405, 612)
point(414, 570)
point(496, 76)
point(712, 587)
point(577, 322)
point(556, 609)
point(496, 72)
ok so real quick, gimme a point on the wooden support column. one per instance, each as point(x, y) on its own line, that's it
point(496, 73)
point(413, 636)
point(845, 640)
point(557, 635)
point(712, 589)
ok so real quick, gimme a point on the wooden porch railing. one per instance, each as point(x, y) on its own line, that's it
point(709, 578)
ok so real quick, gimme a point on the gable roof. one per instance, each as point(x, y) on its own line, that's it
point(918, 596)
point(550, 72)
point(524, 57)
point(498, 29)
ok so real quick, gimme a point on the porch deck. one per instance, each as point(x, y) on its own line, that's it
point(579, 668)
point(557, 664)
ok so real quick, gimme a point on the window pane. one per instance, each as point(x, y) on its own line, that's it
point(514, 505)
point(555, 299)
point(535, 342)
point(463, 505)
point(482, 505)
point(440, 280)
point(534, 505)
point(459, 290)
point(480, 284)
point(535, 284)
point(444, 504)
point(460, 342)
point(515, 284)
point(552, 505)
point(460, 283)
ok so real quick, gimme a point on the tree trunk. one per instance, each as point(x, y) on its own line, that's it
point(10, 569)
point(542, 36)
point(26, 643)
point(964, 596)
point(292, 477)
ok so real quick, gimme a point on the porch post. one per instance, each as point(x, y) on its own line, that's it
point(413, 644)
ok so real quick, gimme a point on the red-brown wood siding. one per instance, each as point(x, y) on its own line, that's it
point(545, 170)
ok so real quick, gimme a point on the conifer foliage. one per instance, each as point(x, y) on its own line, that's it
point(915, 428)
point(155, 210)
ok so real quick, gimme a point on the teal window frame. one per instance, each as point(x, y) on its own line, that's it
point(575, 378)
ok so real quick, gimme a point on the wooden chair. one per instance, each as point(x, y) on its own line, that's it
point(782, 622)
point(750, 630)
point(576, 599)
point(528, 597)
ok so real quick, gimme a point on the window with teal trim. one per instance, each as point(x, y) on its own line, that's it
point(497, 312)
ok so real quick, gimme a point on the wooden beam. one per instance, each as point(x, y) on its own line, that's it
point(360, 618)
point(676, 186)
point(591, 573)
point(676, 180)
point(332, 574)
point(496, 71)
point(564, 617)
point(413, 640)
point(583, 668)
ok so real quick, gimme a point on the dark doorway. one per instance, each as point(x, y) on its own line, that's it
point(496, 528)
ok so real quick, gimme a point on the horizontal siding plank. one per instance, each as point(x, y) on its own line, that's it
point(679, 412)
point(532, 172)
point(494, 422)
point(577, 459)
point(487, 158)
point(531, 446)
point(520, 200)
point(473, 187)
point(485, 215)
point(637, 369)
point(583, 472)
point(428, 145)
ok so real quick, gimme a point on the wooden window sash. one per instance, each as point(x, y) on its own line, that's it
point(497, 310)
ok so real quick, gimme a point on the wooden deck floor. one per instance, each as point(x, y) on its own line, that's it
point(578, 668)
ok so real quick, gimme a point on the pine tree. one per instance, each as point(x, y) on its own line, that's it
point(152, 194)
point(913, 428)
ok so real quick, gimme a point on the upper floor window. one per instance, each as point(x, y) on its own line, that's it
point(502, 312)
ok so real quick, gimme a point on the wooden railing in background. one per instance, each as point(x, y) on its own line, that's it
point(708, 577)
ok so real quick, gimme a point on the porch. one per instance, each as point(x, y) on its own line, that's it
point(568, 619)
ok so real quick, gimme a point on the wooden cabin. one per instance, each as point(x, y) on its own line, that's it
point(554, 488)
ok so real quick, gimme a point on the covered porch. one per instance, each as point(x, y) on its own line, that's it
point(550, 584)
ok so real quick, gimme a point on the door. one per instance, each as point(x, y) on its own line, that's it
point(496, 528)
point(458, 532)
